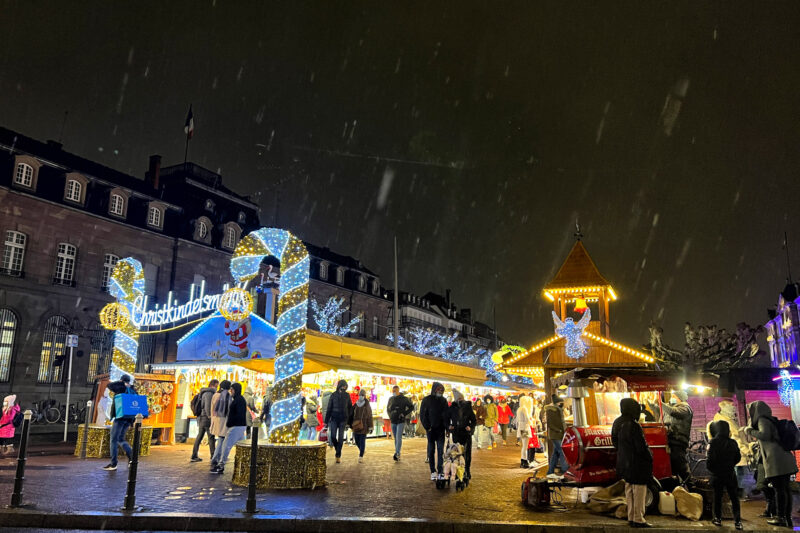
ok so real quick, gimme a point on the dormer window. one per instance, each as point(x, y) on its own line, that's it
point(202, 230)
point(340, 276)
point(323, 270)
point(26, 171)
point(155, 216)
point(242, 217)
point(73, 192)
point(117, 203)
point(24, 175)
point(376, 287)
point(362, 283)
point(230, 236)
point(210, 206)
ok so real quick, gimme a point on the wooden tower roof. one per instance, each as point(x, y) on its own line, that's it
point(578, 270)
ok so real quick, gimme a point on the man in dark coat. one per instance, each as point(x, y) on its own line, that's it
point(435, 418)
point(678, 417)
point(339, 410)
point(462, 426)
point(723, 455)
point(634, 459)
point(399, 408)
point(120, 425)
point(553, 417)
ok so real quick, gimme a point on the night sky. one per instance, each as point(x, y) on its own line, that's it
point(477, 132)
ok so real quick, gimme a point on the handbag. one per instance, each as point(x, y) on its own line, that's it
point(358, 425)
point(129, 404)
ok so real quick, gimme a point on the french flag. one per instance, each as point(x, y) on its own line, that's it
point(188, 129)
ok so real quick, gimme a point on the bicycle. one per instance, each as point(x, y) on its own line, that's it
point(45, 412)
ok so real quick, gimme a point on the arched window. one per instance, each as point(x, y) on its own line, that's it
point(375, 327)
point(73, 192)
point(109, 262)
point(202, 230)
point(323, 270)
point(362, 326)
point(376, 287)
point(230, 238)
point(362, 283)
point(100, 352)
point(24, 175)
point(14, 253)
point(340, 276)
point(54, 342)
point(65, 264)
point(117, 205)
point(154, 217)
point(8, 330)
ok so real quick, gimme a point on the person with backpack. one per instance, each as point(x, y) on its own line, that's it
point(779, 463)
point(462, 425)
point(9, 422)
point(723, 455)
point(220, 407)
point(634, 460)
point(201, 408)
point(120, 425)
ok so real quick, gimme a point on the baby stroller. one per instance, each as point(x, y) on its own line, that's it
point(454, 466)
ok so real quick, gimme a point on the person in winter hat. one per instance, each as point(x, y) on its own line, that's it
point(7, 428)
point(462, 425)
point(779, 464)
point(336, 417)
point(361, 422)
point(504, 418)
point(204, 421)
point(678, 417)
point(727, 413)
point(491, 419)
point(480, 419)
point(723, 456)
point(312, 422)
point(634, 459)
point(435, 418)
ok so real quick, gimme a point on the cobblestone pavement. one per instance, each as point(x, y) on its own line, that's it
point(379, 487)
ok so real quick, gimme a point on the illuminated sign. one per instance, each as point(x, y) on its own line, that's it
point(173, 312)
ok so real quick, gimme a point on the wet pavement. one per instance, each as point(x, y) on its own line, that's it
point(379, 488)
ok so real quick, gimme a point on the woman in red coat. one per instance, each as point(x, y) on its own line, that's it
point(503, 418)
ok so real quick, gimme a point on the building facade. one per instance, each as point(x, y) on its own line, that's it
point(783, 328)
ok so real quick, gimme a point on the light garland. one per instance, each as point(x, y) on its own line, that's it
point(786, 388)
point(568, 329)
point(236, 304)
point(327, 317)
point(292, 318)
point(126, 285)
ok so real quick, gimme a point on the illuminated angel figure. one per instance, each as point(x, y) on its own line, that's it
point(572, 332)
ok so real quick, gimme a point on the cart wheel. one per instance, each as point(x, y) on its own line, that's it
point(652, 496)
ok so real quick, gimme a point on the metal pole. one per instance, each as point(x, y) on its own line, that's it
point(88, 420)
point(396, 297)
point(130, 493)
point(251, 486)
point(69, 387)
point(16, 496)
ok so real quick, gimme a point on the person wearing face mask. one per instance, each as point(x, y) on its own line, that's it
point(236, 424)
point(491, 420)
point(399, 408)
point(727, 413)
point(337, 415)
point(435, 418)
point(678, 419)
point(462, 425)
point(8, 424)
point(480, 418)
point(361, 422)
point(553, 417)
point(503, 418)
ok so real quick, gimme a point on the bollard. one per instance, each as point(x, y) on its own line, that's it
point(89, 417)
point(130, 493)
point(251, 487)
point(16, 496)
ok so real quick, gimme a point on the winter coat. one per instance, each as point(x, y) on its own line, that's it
point(266, 410)
point(250, 401)
point(503, 413)
point(553, 416)
point(462, 417)
point(311, 414)
point(737, 433)
point(634, 458)
point(723, 452)
point(220, 404)
point(399, 408)
point(237, 414)
point(326, 398)
point(678, 419)
point(524, 424)
point(777, 461)
point(339, 406)
point(7, 428)
point(206, 395)
point(491, 412)
point(480, 414)
point(434, 413)
point(363, 413)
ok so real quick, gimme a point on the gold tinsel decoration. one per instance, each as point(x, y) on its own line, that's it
point(236, 304)
point(281, 466)
point(115, 316)
point(99, 441)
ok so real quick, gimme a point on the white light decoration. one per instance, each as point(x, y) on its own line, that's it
point(568, 329)
point(786, 388)
point(326, 317)
point(292, 316)
point(126, 285)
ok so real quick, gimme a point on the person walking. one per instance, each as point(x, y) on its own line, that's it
point(727, 413)
point(204, 421)
point(434, 417)
point(120, 425)
point(312, 422)
point(220, 407)
point(266, 411)
point(779, 464)
point(462, 426)
point(678, 417)
point(634, 459)
point(236, 425)
point(723, 456)
point(411, 420)
point(337, 415)
point(524, 428)
point(553, 417)
point(361, 422)
point(504, 418)
point(326, 398)
point(8, 424)
point(490, 422)
point(480, 418)
point(252, 412)
point(399, 408)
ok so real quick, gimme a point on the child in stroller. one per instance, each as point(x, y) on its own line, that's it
point(454, 466)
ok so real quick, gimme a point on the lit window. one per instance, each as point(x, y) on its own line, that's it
point(230, 238)
point(73, 191)
point(8, 330)
point(65, 264)
point(340, 276)
point(24, 175)
point(202, 230)
point(117, 205)
point(362, 283)
point(375, 327)
point(323, 271)
point(14, 253)
point(154, 217)
point(109, 262)
point(53, 344)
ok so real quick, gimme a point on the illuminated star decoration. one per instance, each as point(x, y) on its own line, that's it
point(292, 316)
point(126, 285)
point(786, 388)
point(571, 331)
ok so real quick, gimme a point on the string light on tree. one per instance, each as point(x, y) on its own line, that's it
point(328, 317)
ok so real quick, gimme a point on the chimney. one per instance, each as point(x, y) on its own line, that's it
point(447, 297)
point(153, 171)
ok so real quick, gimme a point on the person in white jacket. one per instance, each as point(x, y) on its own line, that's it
point(727, 412)
point(524, 427)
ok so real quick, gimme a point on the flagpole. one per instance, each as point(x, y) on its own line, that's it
point(186, 151)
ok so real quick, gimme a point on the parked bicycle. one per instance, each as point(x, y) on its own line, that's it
point(45, 412)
